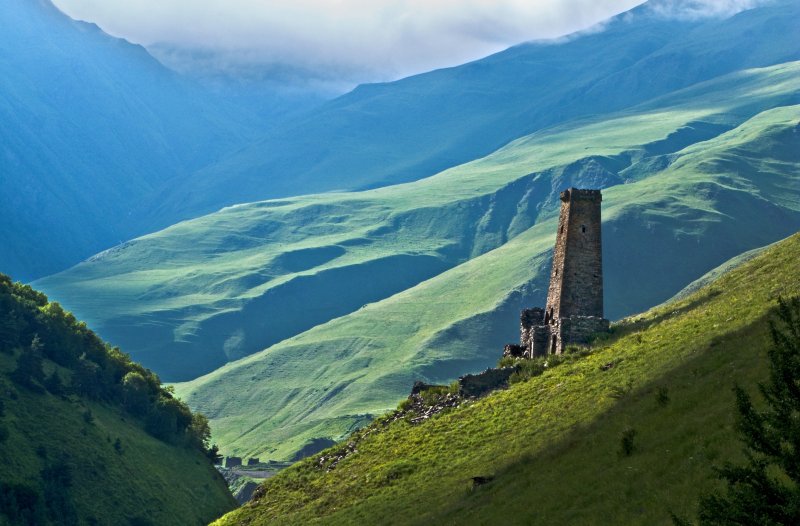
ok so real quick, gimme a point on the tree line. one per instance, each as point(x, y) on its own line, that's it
point(40, 330)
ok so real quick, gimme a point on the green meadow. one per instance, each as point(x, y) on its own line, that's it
point(552, 445)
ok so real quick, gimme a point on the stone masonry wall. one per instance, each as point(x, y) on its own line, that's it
point(576, 279)
point(580, 329)
point(574, 310)
point(528, 319)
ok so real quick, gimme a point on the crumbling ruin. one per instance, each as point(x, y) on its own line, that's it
point(574, 310)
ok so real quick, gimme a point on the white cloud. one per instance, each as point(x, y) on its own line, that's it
point(357, 40)
point(380, 39)
point(694, 9)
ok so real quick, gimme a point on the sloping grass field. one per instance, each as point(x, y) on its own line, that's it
point(327, 380)
point(553, 443)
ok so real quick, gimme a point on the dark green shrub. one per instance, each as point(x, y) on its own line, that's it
point(57, 480)
point(662, 396)
point(29, 372)
point(628, 442)
point(54, 385)
point(527, 369)
point(508, 361)
point(405, 405)
point(20, 504)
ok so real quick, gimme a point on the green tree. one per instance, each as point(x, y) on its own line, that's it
point(54, 384)
point(213, 454)
point(86, 378)
point(10, 325)
point(200, 431)
point(766, 489)
point(29, 372)
point(136, 393)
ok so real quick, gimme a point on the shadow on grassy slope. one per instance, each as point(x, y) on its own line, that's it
point(554, 441)
point(683, 424)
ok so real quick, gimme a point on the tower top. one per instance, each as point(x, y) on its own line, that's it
point(574, 194)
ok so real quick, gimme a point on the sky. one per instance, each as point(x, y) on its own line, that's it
point(353, 40)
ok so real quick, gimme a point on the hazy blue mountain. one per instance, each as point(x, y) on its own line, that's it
point(90, 127)
point(273, 92)
point(381, 134)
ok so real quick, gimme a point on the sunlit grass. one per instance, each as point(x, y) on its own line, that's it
point(553, 443)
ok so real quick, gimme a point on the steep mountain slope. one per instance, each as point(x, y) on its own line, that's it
point(552, 443)
point(717, 199)
point(208, 291)
point(90, 125)
point(402, 131)
point(89, 437)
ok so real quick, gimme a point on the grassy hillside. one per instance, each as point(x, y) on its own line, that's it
point(553, 443)
point(401, 131)
point(717, 199)
point(204, 292)
point(87, 436)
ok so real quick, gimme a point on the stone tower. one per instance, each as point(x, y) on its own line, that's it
point(574, 310)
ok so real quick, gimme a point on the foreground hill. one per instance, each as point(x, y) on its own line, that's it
point(88, 437)
point(550, 446)
point(90, 126)
point(401, 131)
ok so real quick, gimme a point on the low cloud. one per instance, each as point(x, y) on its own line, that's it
point(377, 40)
point(354, 40)
point(696, 9)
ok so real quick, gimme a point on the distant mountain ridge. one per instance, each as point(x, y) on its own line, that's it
point(718, 198)
point(90, 127)
point(381, 134)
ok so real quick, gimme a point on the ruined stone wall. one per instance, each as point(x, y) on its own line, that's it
point(231, 462)
point(475, 385)
point(528, 319)
point(540, 340)
point(581, 329)
point(576, 279)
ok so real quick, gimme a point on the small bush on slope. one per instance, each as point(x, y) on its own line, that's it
point(552, 442)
